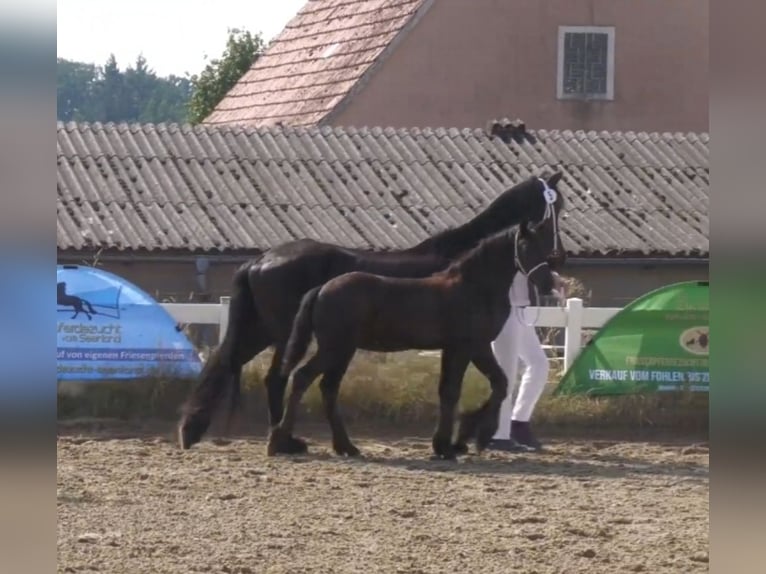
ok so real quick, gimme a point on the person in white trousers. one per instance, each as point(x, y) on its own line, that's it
point(518, 340)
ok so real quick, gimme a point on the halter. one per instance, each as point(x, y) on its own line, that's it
point(550, 196)
point(517, 261)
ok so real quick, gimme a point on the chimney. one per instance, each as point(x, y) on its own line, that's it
point(508, 130)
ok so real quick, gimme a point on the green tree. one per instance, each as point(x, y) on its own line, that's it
point(112, 92)
point(220, 75)
point(139, 85)
point(76, 91)
point(86, 92)
point(168, 101)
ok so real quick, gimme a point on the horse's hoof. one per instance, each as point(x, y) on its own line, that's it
point(443, 448)
point(482, 442)
point(460, 448)
point(347, 450)
point(282, 443)
point(272, 448)
point(297, 445)
point(352, 451)
point(444, 456)
point(189, 434)
point(445, 451)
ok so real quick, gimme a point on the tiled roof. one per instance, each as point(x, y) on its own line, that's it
point(314, 62)
point(228, 189)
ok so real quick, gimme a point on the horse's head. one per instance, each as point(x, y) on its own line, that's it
point(539, 202)
point(547, 225)
point(531, 257)
point(490, 261)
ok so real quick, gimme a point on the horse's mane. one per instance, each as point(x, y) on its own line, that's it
point(475, 257)
point(519, 200)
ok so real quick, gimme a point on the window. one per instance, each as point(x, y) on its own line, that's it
point(586, 63)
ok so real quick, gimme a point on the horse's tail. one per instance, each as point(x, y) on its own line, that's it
point(222, 367)
point(303, 328)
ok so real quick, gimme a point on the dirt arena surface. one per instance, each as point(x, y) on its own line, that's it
point(140, 505)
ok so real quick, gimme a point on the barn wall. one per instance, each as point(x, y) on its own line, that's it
point(174, 281)
point(608, 285)
point(618, 285)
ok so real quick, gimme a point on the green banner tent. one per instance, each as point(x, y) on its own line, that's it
point(658, 343)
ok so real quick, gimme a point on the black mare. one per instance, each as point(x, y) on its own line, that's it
point(267, 291)
point(459, 311)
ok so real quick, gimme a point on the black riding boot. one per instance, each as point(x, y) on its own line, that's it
point(521, 433)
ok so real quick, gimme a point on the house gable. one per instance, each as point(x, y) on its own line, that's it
point(316, 61)
point(418, 63)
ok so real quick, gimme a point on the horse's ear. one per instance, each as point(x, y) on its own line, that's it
point(554, 179)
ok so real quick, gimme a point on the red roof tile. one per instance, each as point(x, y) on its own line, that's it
point(315, 62)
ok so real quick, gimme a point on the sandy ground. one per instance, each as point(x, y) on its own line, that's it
point(142, 506)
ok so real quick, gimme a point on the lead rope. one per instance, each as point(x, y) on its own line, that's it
point(519, 311)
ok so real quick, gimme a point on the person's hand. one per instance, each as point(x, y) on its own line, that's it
point(559, 283)
point(559, 288)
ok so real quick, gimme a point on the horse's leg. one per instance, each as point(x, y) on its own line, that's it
point(330, 386)
point(469, 424)
point(453, 366)
point(276, 385)
point(280, 437)
point(482, 422)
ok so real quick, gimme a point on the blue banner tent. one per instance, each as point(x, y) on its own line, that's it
point(108, 328)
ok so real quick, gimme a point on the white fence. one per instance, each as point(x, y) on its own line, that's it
point(573, 318)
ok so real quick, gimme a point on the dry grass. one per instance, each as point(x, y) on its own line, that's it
point(394, 388)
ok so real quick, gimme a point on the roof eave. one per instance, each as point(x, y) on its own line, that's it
point(237, 255)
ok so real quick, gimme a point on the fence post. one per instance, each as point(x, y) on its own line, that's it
point(573, 333)
point(223, 320)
